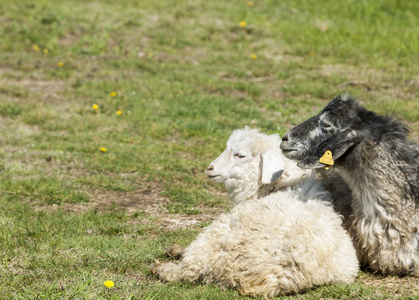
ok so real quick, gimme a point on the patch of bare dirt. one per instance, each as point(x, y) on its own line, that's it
point(12, 130)
point(397, 286)
point(51, 90)
point(152, 203)
point(375, 82)
point(148, 200)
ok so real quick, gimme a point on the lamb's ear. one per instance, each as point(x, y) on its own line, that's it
point(272, 166)
point(337, 144)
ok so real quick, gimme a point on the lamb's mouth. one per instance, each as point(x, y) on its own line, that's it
point(213, 176)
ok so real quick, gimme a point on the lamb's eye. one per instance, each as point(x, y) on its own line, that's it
point(239, 155)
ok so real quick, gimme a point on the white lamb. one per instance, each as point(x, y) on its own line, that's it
point(283, 243)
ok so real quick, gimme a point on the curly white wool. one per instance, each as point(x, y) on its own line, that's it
point(275, 241)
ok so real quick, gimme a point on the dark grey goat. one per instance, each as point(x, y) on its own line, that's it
point(380, 166)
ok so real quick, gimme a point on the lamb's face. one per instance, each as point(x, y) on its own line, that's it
point(312, 138)
point(250, 160)
point(235, 163)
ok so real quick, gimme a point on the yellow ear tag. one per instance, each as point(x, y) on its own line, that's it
point(327, 159)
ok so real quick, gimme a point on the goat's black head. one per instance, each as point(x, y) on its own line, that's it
point(338, 127)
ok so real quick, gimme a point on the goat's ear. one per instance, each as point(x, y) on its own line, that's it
point(338, 144)
point(273, 165)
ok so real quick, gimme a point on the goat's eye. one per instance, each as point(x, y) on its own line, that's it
point(326, 126)
point(239, 155)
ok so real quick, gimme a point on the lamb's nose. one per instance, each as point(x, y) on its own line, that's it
point(210, 168)
point(285, 137)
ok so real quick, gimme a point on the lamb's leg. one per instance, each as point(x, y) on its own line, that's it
point(176, 272)
point(190, 267)
point(195, 258)
point(166, 271)
point(175, 251)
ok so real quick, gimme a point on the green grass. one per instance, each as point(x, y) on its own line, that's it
point(73, 216)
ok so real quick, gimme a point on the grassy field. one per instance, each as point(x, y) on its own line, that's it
point(110, 112)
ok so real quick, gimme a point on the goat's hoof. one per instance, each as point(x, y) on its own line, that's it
point(154, 266)
point(175, 251)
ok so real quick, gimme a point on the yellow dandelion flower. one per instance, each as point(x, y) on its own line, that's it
point(113, 94)
point(60, 64)
point(250, 3)
point(103, 149)
point(243, 24)
point(35, 47)
point(45, 51)
point(119, 112)
point(253, 56)
point(95, 107)
point(109, 284)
